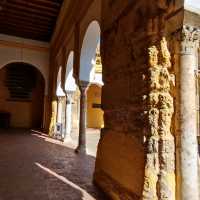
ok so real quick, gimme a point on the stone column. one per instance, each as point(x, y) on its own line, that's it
point(188, 118)
point(45, 111)
point(63, 116)
point(83, 86)
point(53, 117)
point(68, 116)
point(59, 114)
point(159, 180)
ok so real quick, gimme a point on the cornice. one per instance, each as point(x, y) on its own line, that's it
point(23, 45)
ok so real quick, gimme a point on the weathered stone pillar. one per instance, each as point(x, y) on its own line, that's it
point(188, 118)
point(159, 180)
point(59, 114)
point(53, 117)
point(68, 116)
point(83, 85)
point(60, 109)
point(63, 116)
point(45, 110)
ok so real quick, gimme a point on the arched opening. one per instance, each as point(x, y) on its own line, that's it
point(21, 96)
point(72, 92)
point(90, 84)
point(94, 111)
point(90, 44)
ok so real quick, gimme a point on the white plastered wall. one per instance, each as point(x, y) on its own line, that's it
point(70, 83)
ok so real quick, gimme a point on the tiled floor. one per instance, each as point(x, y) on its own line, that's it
point(35, 167)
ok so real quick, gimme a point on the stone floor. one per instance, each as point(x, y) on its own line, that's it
point(92, 139)
point(34, 166)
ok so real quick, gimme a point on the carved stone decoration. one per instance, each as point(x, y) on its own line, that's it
point(190, 39)
point(159, 181)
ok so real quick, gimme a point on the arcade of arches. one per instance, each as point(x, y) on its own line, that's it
point(119, 79)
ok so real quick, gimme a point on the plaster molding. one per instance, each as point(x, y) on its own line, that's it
point(23, 46)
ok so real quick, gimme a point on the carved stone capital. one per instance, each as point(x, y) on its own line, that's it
point(83, 86)
point(190, 38)
point(61, 99)
point(69, 97)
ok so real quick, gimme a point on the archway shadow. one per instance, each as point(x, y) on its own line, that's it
point(35, 166)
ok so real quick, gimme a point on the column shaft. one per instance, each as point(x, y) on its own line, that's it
point(188, 118)
point(68, 116)
point(83, 118)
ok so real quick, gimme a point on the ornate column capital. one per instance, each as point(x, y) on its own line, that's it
point(69, 97)
point(83, 86)
point(61, 99)
point(190, 38)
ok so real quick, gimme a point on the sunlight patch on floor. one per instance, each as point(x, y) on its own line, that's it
point(86, 195)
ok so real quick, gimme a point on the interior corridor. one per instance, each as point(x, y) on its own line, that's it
point(34, 166)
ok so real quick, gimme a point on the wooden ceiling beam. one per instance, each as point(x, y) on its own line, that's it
point(49, 3)
point(28, 20)
point(33, 19)
point(20, 33)
point(27, 24)
point(30, 10)
point(28, 15)
point(22, 27)
point(34, 5)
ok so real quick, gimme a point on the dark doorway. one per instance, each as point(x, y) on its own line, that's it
point(22, 95)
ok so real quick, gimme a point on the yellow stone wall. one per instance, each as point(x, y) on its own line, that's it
point(23, 114)
point(94, 115)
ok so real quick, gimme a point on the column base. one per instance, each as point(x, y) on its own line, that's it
point(80, 150)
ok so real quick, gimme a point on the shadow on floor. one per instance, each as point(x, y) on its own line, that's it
point(33, 166)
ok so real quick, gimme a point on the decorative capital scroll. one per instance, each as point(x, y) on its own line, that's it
point(190, 38)
point(83, 86)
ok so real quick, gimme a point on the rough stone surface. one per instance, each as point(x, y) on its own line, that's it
point(160, 158)
point(129, 28)
point(33, 166)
